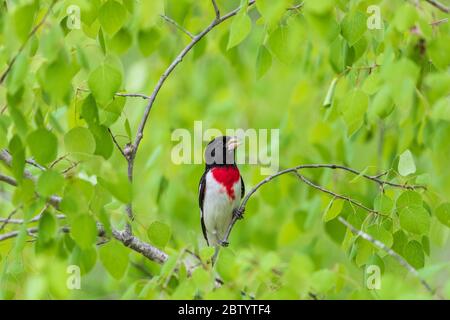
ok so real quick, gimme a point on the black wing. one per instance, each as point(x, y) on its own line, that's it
point(242, 188)
point(201, 197)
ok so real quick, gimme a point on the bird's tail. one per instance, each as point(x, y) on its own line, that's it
point(216, 254)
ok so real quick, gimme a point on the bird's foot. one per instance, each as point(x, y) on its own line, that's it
point(238, 213)
point(224, 243)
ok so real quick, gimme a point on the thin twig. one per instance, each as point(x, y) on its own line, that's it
point(388, 250)
point(121, 94)
point(176, 25)
point(8, 180)
point(311, 184)
point(117, 143)
point(438, 22)
point(132, 95)
point(34, 219)
point(72, 166)
point(58, 160)
point(438, 5)
point(35, 164)
point(336, 195)
point(296, 7)
point(13, 234)
point(216, 9)
point(6, 221)
point(22, 47)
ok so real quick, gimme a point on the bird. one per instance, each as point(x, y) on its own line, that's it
point(221, 189)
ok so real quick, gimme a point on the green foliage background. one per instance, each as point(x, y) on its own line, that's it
point(339, 93)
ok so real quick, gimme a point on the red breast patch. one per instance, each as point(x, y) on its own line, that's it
point(227, 176)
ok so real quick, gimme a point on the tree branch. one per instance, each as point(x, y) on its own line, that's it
point(116, 143)
point(22, 47)
point(216, 9)
point(8, 180)
point(388, 250)
point(132, 95)
point(8, 219)
point(336, 195)
point(176, 25)
point(13, 234)
point(438, 5)
point(375, 179)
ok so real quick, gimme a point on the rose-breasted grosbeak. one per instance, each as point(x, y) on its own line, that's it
point(220, 191)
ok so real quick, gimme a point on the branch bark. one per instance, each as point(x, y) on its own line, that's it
point(439, 5)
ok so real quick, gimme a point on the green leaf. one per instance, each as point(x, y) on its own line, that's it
point(330, 93)
point(56, 77)
point(415, 220)
point(101, 41)
point(118, 185)
point(84, 231)
point(353, 26)
point(19, 70)
point(409, 198)
point(148, 40)
point(340, 55)
point(353, 109)
point(84, 258)
point(104, 82)
point(103, 141)
point(121, 41)
point(159, 233)
point(89, 111)
point(43, 145)
point(383, 204)
point(364, 250)
point(49, 183)
point(47, 227)
point(240, 28)
point(323, 280)
point(272, 11)
point(201, 278)
point(79, 140)
point(112, 16)
point(443, 213)
point(18, 157)
point(413, 253)
point(405, 18)
point(406, 165)
point(333, 209)
point(114, 257)
point(437, 51)
point(400, 241)
point(206, 253)
point(381, 234)
point(23, 20)
point(127, 128)
point(263, 61)
point(382, 104)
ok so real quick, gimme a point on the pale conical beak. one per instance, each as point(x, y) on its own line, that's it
point(233, 143)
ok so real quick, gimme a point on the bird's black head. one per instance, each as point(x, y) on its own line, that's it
point(221, 151)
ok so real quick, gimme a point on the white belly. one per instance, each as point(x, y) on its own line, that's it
point(218, 208)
